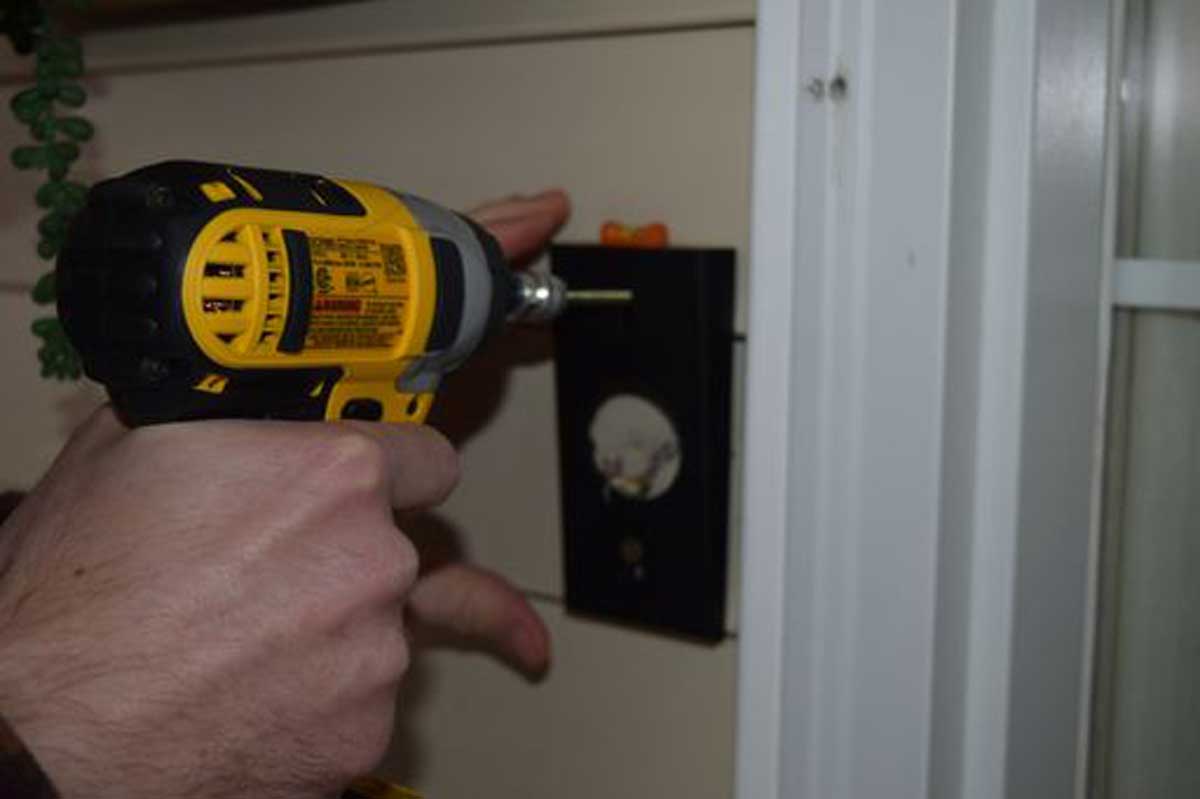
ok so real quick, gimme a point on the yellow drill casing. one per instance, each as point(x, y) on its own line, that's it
point(197, 290)
point(372, 302)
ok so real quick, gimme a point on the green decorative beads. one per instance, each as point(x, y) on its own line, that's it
point(44, 290)
point(58, 62)
point(59, 359)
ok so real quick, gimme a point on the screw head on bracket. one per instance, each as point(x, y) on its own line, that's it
point(838, 87)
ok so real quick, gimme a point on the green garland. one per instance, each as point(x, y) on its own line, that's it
point(31, 28)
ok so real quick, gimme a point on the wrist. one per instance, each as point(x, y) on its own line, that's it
point(20, 773)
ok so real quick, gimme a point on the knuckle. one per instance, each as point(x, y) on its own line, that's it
point(352, 462)
point(406, 560)
point(393, 658)
point(393, 563)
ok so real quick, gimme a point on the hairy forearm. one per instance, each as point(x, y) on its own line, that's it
point(20, 774)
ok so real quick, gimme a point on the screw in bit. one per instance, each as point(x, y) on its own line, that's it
point(599, 296)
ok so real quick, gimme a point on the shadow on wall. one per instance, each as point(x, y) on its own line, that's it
point(406, 761)
point(468, 401)
point(470, 397)
point(439, 542)
point(9, 500)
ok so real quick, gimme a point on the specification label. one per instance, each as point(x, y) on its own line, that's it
point(360, 294)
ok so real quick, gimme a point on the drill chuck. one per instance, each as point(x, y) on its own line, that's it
point(538, 297)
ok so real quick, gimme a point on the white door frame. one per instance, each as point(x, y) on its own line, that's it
point(928, 315)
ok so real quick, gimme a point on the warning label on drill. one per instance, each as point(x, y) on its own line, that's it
point(361, 293)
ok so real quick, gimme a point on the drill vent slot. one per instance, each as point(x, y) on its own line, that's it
point(214, 269)
point(243, 289)
point(217, 305)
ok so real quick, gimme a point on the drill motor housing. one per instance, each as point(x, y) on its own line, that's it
point(195, 290)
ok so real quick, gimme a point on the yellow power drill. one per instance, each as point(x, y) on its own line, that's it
point(196, 290)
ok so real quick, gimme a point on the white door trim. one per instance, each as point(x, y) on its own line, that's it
point(767, 470)
point(922, 432)
point(850, 259)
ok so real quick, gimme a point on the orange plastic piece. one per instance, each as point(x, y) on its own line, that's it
point(650, 237)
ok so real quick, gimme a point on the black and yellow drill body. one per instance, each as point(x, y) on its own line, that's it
point(196, 290)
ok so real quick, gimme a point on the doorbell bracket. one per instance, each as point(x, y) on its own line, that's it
point(644, 421)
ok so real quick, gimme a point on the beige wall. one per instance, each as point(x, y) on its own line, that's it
point(638, 126)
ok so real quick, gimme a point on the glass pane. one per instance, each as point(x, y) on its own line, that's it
point(1147, 740)
point(1146, 731)
point(1160, 163)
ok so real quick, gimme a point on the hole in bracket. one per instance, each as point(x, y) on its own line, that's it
point(635, 447)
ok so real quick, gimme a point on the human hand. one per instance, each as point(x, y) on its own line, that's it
point(213, 609)
point(236, 629)
point(524, 224)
